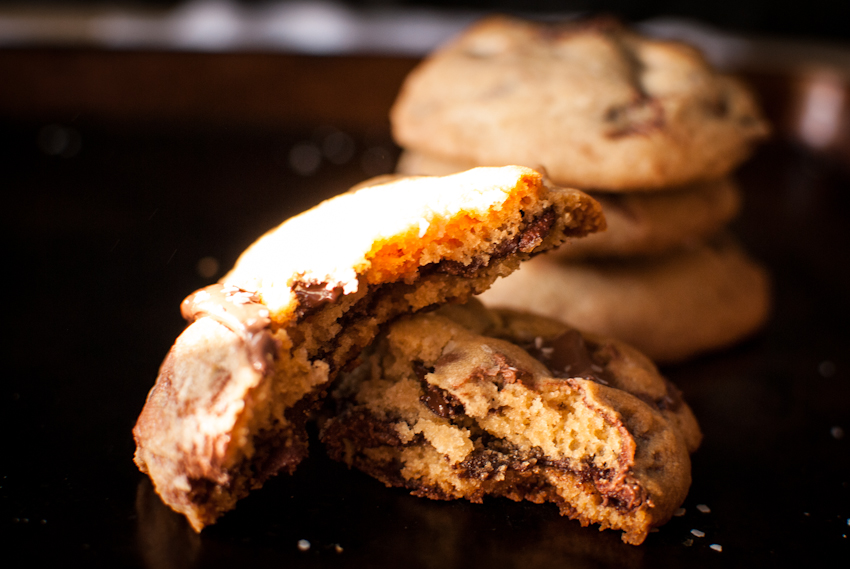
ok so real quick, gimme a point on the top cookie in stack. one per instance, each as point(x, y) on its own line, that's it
point(648, 127)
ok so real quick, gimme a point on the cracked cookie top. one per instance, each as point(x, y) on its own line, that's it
point(596, 105)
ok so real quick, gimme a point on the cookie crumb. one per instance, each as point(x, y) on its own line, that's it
point(703, 508)
point(716, 547)
point(679, 512)
point(837, 432)
point(303, 545)
point(337, 548)
point(688, 542)
point(698, 533)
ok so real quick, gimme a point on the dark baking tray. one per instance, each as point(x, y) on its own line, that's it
point(122, 170)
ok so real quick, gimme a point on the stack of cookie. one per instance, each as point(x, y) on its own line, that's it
point(648, 128)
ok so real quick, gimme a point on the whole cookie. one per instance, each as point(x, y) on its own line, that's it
point(595, 104)
point(639, 223)
point(465, 403)
point(670, 308)
point(229, 406)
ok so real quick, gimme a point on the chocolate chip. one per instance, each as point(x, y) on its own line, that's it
point(537, 230)
point(312, 296)
point(568, 356)
point(440, 402)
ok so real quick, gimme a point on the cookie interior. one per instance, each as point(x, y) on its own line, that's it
point(452, 412)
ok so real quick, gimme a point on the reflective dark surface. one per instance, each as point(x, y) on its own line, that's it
point(110, 223)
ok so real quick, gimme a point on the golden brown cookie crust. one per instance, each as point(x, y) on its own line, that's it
point(596, 105)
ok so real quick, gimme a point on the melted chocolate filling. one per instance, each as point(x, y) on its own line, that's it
point(242, 312)
point(312, 296)
point(437, 400)
point(525, 241)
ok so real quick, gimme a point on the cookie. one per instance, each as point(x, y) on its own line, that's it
point(468, 403)
point(598, 106)
point(229, 406)
point(671, 307)
point(639, 223)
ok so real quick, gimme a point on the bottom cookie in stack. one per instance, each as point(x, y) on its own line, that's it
point(671, 307)
point(466, 402)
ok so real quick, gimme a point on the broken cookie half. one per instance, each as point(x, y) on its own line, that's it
point(466, 402)
point(229, 406)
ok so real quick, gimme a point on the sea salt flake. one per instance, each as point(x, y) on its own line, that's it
point(697, 533)
point(303, 545)
point(703, 508)
point(716, 547)
point(679, 512)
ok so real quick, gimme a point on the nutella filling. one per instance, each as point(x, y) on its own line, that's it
point(312, 296)
point(242, 312)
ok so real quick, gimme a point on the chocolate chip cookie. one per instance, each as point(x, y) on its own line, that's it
point(468, 403)
point(229, 406)
point(670, 307)
point(595, 104)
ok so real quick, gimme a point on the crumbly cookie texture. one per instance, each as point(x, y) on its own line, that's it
point(639, 223)
point(229, 406)
point(671, 308)
point(596, 105)
point(465, 403)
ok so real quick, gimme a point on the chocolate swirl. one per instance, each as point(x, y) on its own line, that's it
point(242, 312)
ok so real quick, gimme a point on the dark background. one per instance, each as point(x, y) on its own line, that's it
point(814, 19)
point(121, 171)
